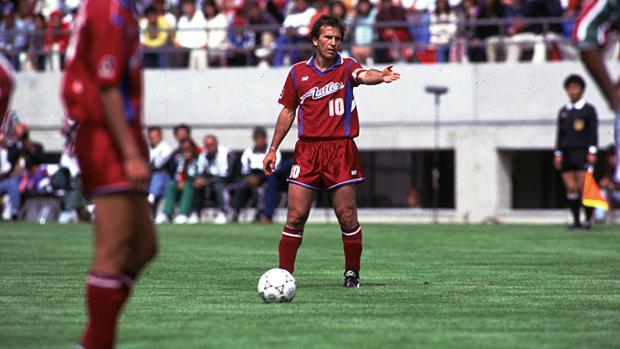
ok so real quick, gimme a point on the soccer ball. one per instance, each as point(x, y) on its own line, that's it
point(277, 286)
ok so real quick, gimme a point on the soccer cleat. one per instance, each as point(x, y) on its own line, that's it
point(193, 219)
point(220, 218)
point(575, 226)
point(180, 219)
point(161, 219)
point(351, 279)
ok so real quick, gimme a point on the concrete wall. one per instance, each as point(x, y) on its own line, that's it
point(489, 109)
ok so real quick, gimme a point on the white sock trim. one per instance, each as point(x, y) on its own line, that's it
point(353, 233)
point(292, 235)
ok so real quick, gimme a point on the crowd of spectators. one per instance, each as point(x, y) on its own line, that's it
point(191, 177)
point(34, 34)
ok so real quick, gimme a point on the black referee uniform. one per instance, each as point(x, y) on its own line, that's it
point(577, 135)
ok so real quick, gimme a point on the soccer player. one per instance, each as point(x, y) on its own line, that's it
point(596, 17)
point(320, 92)
point(576, 146)
point(102, 92)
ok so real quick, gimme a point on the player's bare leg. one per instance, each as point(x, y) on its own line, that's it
point(299, 204)
point(108, 284)
point(345, 205)
point(144, 242)
point(571, 182)
point(594, 62)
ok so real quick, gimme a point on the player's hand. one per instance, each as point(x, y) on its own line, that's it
point(138, 173)
point(269, 163)
point(557, 162)
point(388, 75)
point(591, 159)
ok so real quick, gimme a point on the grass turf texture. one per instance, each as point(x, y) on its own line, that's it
point(444, 286)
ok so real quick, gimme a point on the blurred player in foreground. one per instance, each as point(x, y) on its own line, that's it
point(102, 92)
point(576, 146)
point(6, 88)
point(320, 92)
point(596, 17)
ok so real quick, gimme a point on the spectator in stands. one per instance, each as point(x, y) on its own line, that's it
point(191, 36)
point(414, 198)
point(36, 43)
point(395, 38)
point(491, 34)
point(338, 9)
point(241, 43)
point(13, 36)
point(443, 30)
point(217, 31)
point(276, 8)
point(276, 183)
point(473, 48)
point(159, 154)
point(181, 189)
point(534, 36)
point(9, 183)
point(67, 179)
point(155, 37)
point(576, 146)
point(214, 165)
point(25, 156)
point(252, 173)
point(363, 32)
point(57, 40)
point(265, 28)
point(295, 30)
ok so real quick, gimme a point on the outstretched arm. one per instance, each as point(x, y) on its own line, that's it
point(283, 125)
point(375, 77)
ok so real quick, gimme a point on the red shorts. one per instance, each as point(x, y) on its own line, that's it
point(326, 163)
point(100, 160)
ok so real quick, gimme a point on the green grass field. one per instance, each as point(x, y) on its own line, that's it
point(423, 286)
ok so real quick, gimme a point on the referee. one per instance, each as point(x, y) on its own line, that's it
point(576, 146)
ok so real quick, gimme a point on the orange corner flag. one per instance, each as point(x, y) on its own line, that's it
point(592, 196)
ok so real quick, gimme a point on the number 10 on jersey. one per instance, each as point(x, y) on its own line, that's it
point(336, 107)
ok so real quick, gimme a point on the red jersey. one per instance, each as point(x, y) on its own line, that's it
point(323, 99)
point(104, 51)
point(6, 87)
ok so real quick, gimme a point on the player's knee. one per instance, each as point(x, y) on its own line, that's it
point(296, 218)
point(112, 256)
point(347, 216)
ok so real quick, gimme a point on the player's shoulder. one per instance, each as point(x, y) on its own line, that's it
point(299, 66)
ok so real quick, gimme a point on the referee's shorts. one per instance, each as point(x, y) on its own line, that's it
point(574, 159)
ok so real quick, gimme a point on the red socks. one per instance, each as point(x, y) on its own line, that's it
point(289, 244)
point(292, 238)
point(105, 296)
point(352, 245)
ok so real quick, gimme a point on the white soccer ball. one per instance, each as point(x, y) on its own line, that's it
point(277, 286)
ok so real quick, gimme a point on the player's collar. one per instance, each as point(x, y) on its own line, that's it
point(338, 61)
point(578, 105)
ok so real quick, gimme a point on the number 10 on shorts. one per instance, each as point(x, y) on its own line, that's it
point(295, 170)
point(336, 107)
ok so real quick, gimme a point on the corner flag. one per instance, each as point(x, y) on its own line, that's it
point(592, 196)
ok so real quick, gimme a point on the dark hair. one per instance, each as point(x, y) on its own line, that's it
point(154, 128)
point(259, 131)
point(575, 79)
point(326, 21)
point(150, 10)
point(212, 4)
point(179, 127)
